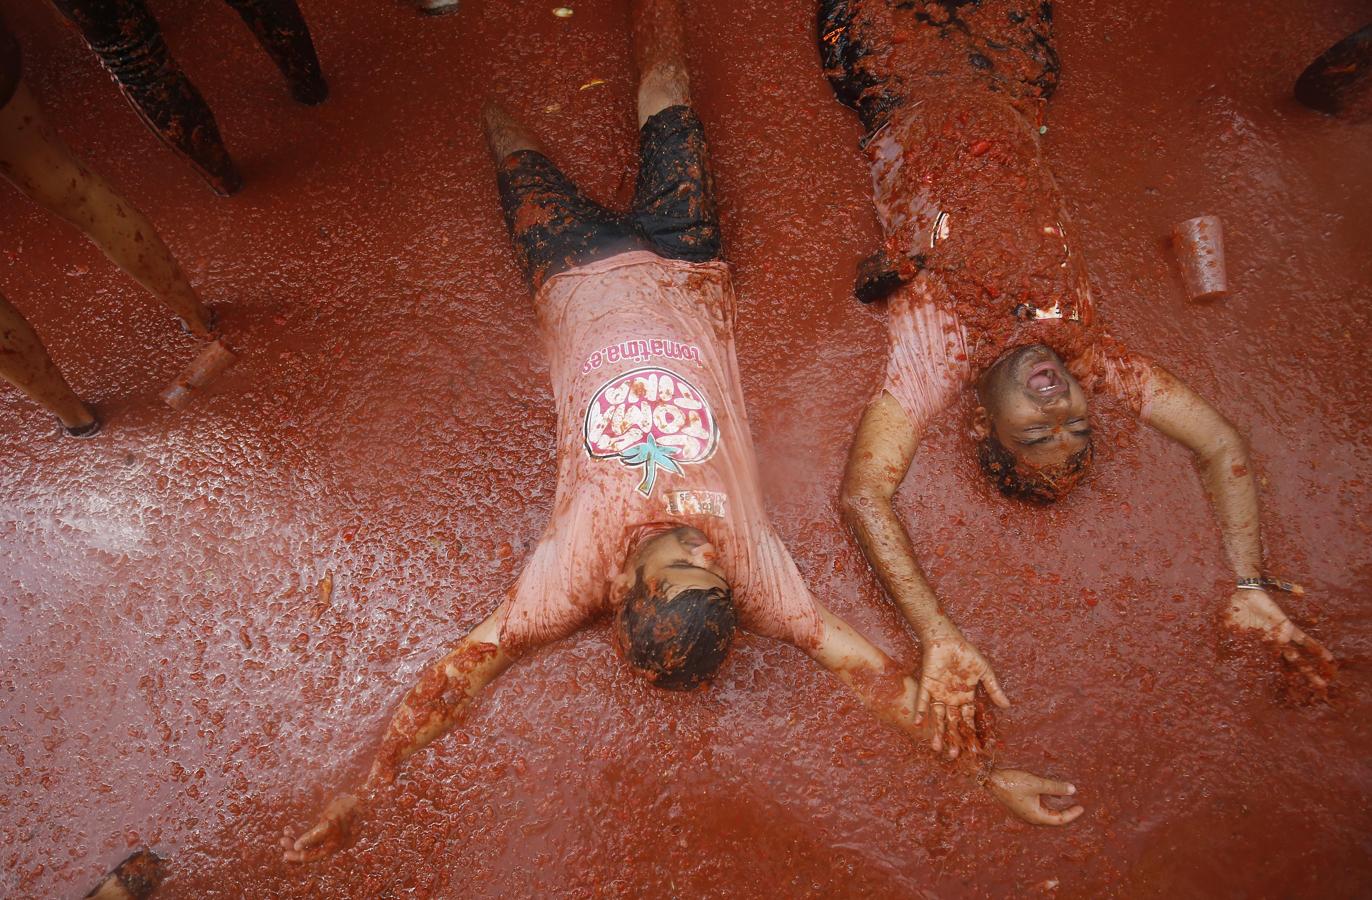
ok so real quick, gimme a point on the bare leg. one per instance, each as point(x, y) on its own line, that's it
point(660, 54)
point(129, 43)
point(39, 164)
point(281, 30)
point(24, 363)
point(505, 135)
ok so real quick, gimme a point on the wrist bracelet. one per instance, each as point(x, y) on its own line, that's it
point(1264, 582)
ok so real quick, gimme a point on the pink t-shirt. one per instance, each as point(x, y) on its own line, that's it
point(651, 429)
point(984, 218)
point(927, 361)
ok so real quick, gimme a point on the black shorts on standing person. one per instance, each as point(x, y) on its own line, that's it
point(129, 42)
point(556, 227)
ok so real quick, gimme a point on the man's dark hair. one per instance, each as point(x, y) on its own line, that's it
point(1020, 482)
point(679, 643)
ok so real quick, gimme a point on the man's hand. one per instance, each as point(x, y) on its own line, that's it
point(327, 837)
point(1256, 611)
point(1023, 793)
point(949, 674)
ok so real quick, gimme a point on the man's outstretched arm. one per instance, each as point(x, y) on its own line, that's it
point(890, 696)
point(433, 705)
point(951, 667)
point(1222, 454)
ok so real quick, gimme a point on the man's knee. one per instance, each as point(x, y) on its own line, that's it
point(660, 87)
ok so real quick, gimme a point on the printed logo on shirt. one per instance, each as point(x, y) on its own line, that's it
point(651, 419)
point(696, 503)
point(637, 350)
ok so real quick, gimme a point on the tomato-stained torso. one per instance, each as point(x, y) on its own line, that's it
point(651, 429)
point(970, 209)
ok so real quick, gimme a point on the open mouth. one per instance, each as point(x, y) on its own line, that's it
point(1046, 380)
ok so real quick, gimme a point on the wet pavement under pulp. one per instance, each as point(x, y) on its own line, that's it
point(176, 672)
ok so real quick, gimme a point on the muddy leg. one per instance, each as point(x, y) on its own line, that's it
point(24, 363)
point(673, 206)
point(505, 134)
point(39, 164)
point(660, 54)
point(282, 32)
point(129, 43)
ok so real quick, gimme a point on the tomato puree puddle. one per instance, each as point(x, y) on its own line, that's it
point(175, 676)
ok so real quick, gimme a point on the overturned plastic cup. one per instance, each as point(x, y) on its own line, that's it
point(211, 362)
point(1199, 245)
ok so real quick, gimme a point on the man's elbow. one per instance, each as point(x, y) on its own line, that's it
point(861, 503)
point(1227, 444)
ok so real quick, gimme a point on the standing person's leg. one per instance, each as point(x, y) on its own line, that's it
point(1339, 81)
point(660, 54)
point(129, 42)
point(281, 30)
point(554, 225)
point(35, 159)
point(674, 204)
point(24, 363)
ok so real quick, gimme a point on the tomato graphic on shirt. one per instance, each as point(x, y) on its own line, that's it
point(651, 419)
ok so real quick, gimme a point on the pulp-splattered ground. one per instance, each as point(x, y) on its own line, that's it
point(174, 674)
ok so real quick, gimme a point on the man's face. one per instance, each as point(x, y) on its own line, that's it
point(679, 560)
point(1035, 408)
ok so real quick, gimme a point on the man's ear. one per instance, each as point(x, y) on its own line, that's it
point(981, 423)
point(620, 585)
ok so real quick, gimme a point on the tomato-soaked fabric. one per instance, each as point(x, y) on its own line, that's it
point(1107, 366)
point(927, 361)
point(11, 63)
point(970, 211)
point(128, 39)
point(882, 54)
point(556, 227)
point(652, 431)
point(674, 196)
point(963, 194)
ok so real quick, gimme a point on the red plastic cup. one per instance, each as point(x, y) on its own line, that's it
point(1199, 244)
point(208, 365)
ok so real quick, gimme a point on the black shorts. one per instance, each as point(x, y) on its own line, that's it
point(1008, 42)
point(556, 227)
